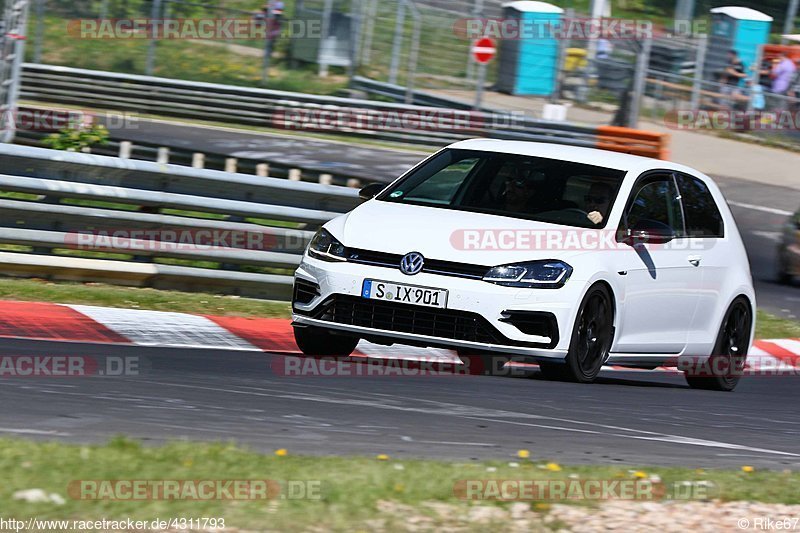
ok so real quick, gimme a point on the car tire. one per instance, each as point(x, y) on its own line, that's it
point(317, 341)
point(591, 339)
point(730, 349)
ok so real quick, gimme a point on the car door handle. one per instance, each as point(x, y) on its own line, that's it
point(694, 260)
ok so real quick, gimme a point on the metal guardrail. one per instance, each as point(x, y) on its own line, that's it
point(87, 217)
point(279, 109)
point(204, 101)
point(180, 155)
point(397, 93)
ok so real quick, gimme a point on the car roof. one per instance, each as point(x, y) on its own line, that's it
point(591, 156)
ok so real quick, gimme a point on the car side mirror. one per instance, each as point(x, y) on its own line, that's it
point(371, 191)
point(648, 232)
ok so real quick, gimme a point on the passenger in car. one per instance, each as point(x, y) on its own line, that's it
point(518, 190)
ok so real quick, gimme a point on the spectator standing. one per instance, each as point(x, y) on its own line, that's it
point(782, 74)
point(271, 15)
point(734, 71)
point(731, 77)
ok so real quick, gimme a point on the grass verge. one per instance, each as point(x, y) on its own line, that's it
point(768, 326)
point(35, 290)
point(349, 491)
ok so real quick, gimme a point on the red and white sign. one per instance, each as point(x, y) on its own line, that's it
point(484, 50)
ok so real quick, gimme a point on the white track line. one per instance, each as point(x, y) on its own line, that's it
point(762, 208)
point(400, 403)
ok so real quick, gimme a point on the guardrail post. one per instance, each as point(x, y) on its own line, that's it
point(230, 164)
point(125, 149)
point(262, 170)
point(198, 160)
point(326, 179)
point(295, 174)
point(163, 155)
point(354, 182)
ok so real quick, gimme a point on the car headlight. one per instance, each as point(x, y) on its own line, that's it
point(324, 246)
point(534, 275)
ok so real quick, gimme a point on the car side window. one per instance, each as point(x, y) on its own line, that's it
point(655, 200)
point(703, 218)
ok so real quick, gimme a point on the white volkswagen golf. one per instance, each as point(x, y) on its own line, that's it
point(568, 257)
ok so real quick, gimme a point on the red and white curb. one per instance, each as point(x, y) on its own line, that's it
point(86, 323)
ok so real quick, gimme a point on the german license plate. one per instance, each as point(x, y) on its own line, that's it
point(402, 293)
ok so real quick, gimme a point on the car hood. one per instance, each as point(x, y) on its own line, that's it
point(436, 233)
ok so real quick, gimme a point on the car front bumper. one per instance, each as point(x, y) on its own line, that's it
point(471, 302)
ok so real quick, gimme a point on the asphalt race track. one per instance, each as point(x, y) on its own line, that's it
point(626, 417)
point(366, 162)
point(761, 232)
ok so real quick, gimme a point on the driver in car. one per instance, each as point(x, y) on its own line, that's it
point(519, 188)
point(597, 201)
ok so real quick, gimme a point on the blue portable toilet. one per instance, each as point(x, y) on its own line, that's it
point(735, 28)
point(529, 63)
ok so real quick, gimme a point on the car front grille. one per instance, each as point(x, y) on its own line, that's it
point(445, 323)
point(431, 266)
point(418, 320)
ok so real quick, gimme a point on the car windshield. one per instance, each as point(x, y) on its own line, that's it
point(531, 188)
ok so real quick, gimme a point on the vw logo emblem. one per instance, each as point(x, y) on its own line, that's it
point(411, 263)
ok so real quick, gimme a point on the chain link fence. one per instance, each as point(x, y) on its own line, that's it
point(445, 65)
point(413, 44)
point(613, 82)
point(216, 41)
point(696, 97)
